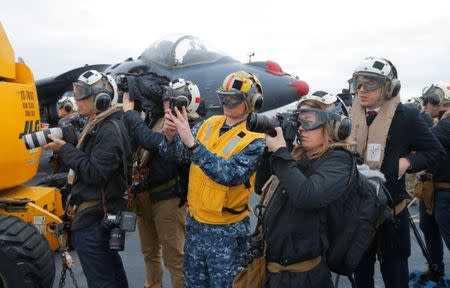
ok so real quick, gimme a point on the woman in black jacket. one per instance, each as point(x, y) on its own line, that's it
point(314, 175)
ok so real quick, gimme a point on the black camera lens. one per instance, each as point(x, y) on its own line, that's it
point(261, 124)
point(117, 239)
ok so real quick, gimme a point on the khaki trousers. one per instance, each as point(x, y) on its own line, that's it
point(162, 228)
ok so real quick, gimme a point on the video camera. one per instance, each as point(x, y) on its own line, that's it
point(145, 89)
point(263, 124)
point(118, 224)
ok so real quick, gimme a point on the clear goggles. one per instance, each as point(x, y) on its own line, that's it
point(83, 91)
point(312, 118)
point(232, 99)
point(432, 95)
point(368, 82)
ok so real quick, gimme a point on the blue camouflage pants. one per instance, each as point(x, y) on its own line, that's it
point(214, 254)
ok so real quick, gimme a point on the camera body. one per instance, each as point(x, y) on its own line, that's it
point(118, 224)
point(122, 82)
point(256, 245)
point(176, 98)
point(263, 124)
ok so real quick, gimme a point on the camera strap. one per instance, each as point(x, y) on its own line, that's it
point(124, 164)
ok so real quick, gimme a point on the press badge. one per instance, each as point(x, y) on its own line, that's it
point(373, 152)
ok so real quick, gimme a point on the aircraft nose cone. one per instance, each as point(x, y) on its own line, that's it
point(302, 87)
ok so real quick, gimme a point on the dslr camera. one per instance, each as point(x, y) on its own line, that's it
point(176, 98)
point(118, 224)
point(66, 131)
point(263, 124)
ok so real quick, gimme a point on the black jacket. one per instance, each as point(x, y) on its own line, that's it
point(99, 166)
point(292, 221)
point(161, 170)
point(441, 171)
point(409, 136)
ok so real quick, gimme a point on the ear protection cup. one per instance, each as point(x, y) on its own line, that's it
point(342, 129)
point(257, 102)
point(393, 89)
point(68, 106)
point(394, 85)
point(102, 101)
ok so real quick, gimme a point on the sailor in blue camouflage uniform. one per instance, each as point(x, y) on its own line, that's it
point(223, 156)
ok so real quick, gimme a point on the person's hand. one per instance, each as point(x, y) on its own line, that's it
point(45, 126)
point(55, 145)
point(403, 165)
point(275, 143)
point(127, 104)
point(183, 128)
point(170, 129)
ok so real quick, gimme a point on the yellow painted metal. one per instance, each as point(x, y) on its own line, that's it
point(42, 211)
point(7, 69)
point(20, 115)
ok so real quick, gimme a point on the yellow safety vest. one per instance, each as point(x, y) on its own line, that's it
point(209, 201)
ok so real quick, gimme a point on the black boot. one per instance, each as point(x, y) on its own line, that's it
point(435, 272)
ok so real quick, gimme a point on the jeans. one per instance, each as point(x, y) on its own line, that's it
point(101, 266)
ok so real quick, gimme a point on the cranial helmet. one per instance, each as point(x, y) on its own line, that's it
point(245, 86)
point(380, 73)
point(436, 93)
point(98, 85)
point(67, 102)
point(187, 92)
point(336, 113)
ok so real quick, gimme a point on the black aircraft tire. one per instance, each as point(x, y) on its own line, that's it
point(25, 257)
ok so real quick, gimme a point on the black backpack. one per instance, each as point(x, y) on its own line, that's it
point(349, 224)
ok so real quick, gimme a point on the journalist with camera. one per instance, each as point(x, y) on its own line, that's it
point(300, 185)
point(98, 179)
point(160, 185)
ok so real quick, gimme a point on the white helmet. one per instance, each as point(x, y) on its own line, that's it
point(382, 73)
point(321, 96)
point(188, 90)
point(67, 102)
point(435, 93)
point(94, 83)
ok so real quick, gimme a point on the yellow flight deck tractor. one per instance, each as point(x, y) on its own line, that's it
point(28, 214)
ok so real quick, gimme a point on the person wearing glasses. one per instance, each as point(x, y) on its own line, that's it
point(311, 177)
point(394, 139)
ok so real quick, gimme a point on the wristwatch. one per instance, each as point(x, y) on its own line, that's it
point(193, 147)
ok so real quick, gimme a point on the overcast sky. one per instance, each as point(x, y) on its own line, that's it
point(319, 41)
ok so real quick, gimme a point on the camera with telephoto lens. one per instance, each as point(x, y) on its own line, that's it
point(118, 224)
point(66, 132)
point(263, 124)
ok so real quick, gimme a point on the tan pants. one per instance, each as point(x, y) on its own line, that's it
point(162, 229)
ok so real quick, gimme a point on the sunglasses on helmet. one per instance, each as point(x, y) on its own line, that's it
point(368, 82)
point(312, 118)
